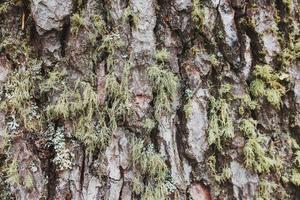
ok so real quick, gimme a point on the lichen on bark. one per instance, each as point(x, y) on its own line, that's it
point(157, 99)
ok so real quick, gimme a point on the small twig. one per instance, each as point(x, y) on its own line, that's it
point(23, 21)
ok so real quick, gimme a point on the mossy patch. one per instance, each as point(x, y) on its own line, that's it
point(165, 85)
point(268, 83)
point(256, 156)
point(151, 170)
point(221, 125)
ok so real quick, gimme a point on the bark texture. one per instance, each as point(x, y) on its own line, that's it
point(149, 99)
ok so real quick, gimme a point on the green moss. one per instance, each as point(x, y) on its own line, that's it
point(220, 123)
point(247, 104)
point(94, 125)
point(256, 156)
point(110, 43)
point(53, 82)
point(225, 89)
point(68, 104)
point(288, 3)
point(266, 189)
point(295, 177)
point(80, 105)
point(268, 83)
point(118, 93)
point(290, 53)
point(198, 13)
point(151, 166)
point(165, 86)
point(225, 173)
point(295, 173)
point(17, 49)
point(21, 88)
point(248, 127)
point(77, 23)
point(12, 172)
point(149, 124)
point(274, 97)
point(131, 16)
point(214, 61)
point(4, 7)
point(28, 181)
point(97, 28)
point(258, 87)
point(162, 56)
point(188, 109)
point(297, 158)
point(264, 72)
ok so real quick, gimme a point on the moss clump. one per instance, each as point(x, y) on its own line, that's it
point(295, 177)
point(225, 173)
point(290, 54)
point(53, 82)
point(118, 93)
point(274, 97)
point(198, 13)
point(256, 157)
point(295, 173)
point(220, 123)
point(68, 104)
point(162, 56)
point(131, 16)
point(149, 124)
point(79, 103)
point(214, 60)
point(287, 3)
point(258, 88)
point(267, 83)
point(266, 189)
point(28, 181)
point(188, 108)
point(95, 30)
point(5, 6)
point(77, 22)
point(247, 104)
point(21, 89)
point(151, 169)
point(110, 43)
point(12, 172)
point(91, 25)
point(165, 86)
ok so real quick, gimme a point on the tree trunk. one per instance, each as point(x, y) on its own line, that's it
point(149, 99)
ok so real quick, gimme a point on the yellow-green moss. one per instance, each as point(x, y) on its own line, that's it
point(77, 22)
point(221, 125)
point(165, 86)
point(21, 88)
point(267, 83)
point(256, 156)
point(266, 189)
point(223, 175)
point(149, 165)
point(12, 172)
point(198, 13)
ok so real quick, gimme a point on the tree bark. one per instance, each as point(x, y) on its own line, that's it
point(155, 99)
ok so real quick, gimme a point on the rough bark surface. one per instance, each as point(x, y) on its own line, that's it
point(149, 99)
